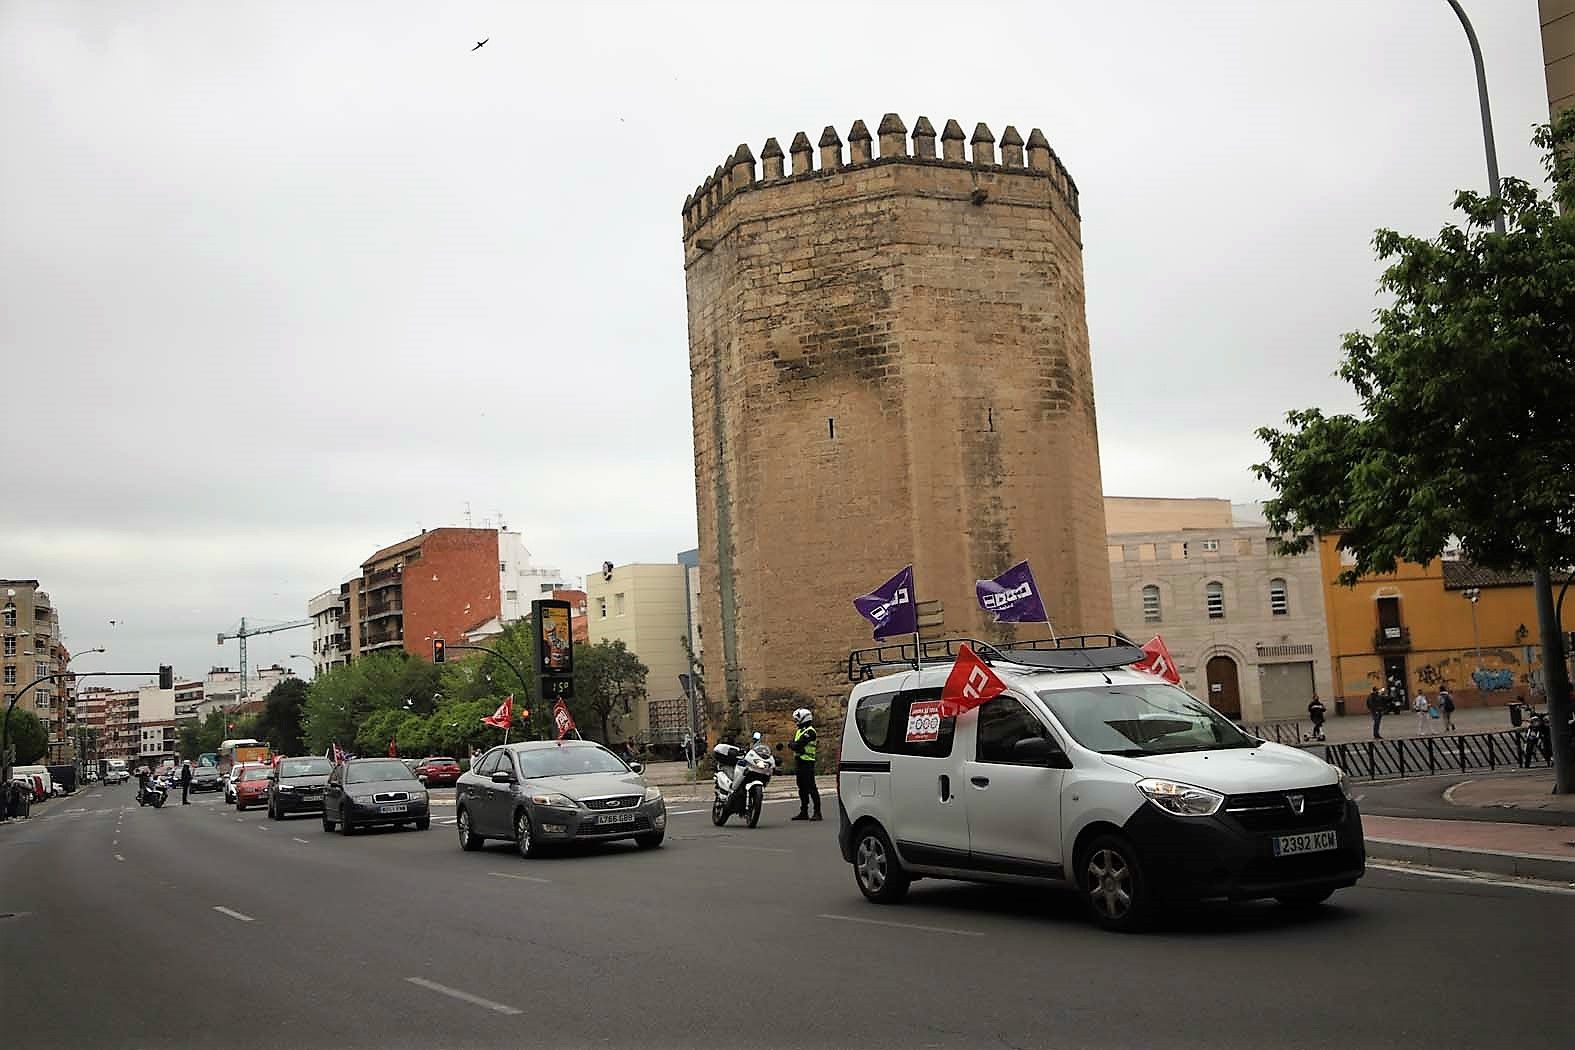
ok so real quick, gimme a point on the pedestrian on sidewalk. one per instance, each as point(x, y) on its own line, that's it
point(185, 782)
point(1446, 704)
point(805, 753)
point(1423, 711)
point(1375, 706)
point(1315, 711)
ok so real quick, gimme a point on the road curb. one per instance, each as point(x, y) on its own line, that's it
point(1464, 858)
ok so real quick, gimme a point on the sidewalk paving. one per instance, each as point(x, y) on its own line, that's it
point(1527, 792)
point(1524, 850)
point(1358, 725)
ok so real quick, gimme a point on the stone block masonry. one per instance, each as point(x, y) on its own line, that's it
point(889, 363)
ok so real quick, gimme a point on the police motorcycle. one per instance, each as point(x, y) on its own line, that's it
point(741, 778)
point(155, 794)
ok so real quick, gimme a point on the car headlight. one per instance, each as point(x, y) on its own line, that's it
point(286, 787)
point(1342, 781)
point(552, 798)
point(1183, 800)
point(363, 800)
point(653, 794)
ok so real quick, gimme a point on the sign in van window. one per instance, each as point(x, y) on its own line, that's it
point(924, 722)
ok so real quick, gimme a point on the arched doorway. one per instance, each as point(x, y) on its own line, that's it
point(1224, 689)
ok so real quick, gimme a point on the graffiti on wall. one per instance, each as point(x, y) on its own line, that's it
point(1493, 679)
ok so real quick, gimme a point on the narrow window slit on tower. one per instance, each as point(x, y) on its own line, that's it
point(990, 415)
point(831, 427)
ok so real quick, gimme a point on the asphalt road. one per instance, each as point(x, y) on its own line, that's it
point(194, 926)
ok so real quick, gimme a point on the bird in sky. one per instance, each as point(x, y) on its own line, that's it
point(479, 44)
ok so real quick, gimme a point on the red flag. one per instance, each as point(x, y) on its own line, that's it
point(1158, 661)
point(970, 684)
point(503, 717)
point(562, 719)
point(393, 747)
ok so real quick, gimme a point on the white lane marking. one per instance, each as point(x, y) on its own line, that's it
point(1486, 880)
point(760, 849)
point(464, 997)
point(301, 841)
point(119, 857)
point(115, 843)
point(903, 925)
point(232, 914)
point(450, 820)
point(262, 827)
point(521, 878)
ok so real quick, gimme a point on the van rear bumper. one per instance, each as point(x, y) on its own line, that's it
point(1198, 858)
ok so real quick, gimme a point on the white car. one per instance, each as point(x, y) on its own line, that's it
point(1081, 774)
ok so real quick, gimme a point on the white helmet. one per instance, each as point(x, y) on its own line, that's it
point(802, 717)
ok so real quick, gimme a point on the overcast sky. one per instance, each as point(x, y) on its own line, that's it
point(281, 283)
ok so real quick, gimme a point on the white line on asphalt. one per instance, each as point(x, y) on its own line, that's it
point(760, 849)
point(301, 841)
point(262, 827)
point(119, 857)
point(1453, 876)
point(903, 925)
point(686, 812)
point(464, 997)
point(522, 878)
point(115, 843)
point(450, 820)
point(232, 914)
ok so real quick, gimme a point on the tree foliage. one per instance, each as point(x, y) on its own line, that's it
point(279, 725)
point(27, 736)
point(608, 681)
point(1467, 391)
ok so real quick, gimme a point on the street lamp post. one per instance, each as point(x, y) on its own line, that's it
point(1554, 676)
point(1472, 594)
point(5, 726)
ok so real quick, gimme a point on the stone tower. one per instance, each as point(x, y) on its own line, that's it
point(889, 364)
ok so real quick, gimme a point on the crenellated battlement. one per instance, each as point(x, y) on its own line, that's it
point(738, 174)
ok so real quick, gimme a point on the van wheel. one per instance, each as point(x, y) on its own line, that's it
point(1113, 886)
point(876, 869)
point(1305, 900)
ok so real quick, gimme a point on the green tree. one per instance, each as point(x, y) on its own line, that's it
point(339, 701)
point(1467, 392)
point(280, 722)
point(608, 680)
point(204, 737)
point(28, 737)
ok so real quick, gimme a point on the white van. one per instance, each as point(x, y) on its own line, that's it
point(1082, 774)
point(36, 771)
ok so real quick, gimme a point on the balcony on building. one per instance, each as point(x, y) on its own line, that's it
point(378, 610)
point(1391, 639)
point(379, 580)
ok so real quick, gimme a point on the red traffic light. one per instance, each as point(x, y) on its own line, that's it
point(438, 654)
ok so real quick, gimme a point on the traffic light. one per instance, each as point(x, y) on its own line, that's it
point(438, 655)
point(166, 676)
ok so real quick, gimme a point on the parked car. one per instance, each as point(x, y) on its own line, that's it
point(43, 782)
point(362, 792)
point(540, 792)
point(252, 788)
point(206, 778)
point(1088, 775)
point(296, 786)
point(437, 772)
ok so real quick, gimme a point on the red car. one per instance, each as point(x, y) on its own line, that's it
point(438, 772)
point(252, 788)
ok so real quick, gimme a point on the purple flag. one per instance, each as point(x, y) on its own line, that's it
point(1013, 596)
point(890, 607)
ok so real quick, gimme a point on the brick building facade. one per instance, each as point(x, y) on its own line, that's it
point(889, 364)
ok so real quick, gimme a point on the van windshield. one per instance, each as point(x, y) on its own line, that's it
point(1157, 719)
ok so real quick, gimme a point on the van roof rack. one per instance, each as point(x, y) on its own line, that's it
point(1071, 652)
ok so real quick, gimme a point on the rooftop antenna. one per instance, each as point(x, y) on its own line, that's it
point(467, 514)
point(502, 525)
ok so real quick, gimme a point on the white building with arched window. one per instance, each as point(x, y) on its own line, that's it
point(1245, 624)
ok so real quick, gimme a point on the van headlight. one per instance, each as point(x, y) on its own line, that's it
point(1182, 800)
point(1342, 781)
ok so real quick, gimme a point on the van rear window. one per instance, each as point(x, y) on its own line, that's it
point(882, 719)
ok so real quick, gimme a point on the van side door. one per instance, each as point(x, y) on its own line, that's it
point(1014, 773)
point(931, 820)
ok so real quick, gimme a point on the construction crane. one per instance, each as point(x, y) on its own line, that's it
point(243, 632)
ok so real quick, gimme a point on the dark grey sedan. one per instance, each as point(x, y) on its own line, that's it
point(542, 792)
point(206, 778)
point(363, 792)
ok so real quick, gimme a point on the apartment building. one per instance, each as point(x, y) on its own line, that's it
point(651, 608)
point(30, 649)
point(443, 583)
point(330, 641)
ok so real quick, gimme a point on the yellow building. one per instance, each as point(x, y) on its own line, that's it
point(1426, 625)
point(646, 606)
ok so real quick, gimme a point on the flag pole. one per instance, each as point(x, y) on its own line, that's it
point(918, 653)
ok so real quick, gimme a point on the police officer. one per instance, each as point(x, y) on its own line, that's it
point(804, 768)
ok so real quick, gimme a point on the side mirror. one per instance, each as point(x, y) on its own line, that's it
point(637, 767)
point(756, 737)
point(503, 777)
point(1039, 751)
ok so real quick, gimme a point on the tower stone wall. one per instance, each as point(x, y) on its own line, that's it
point(889, 364)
